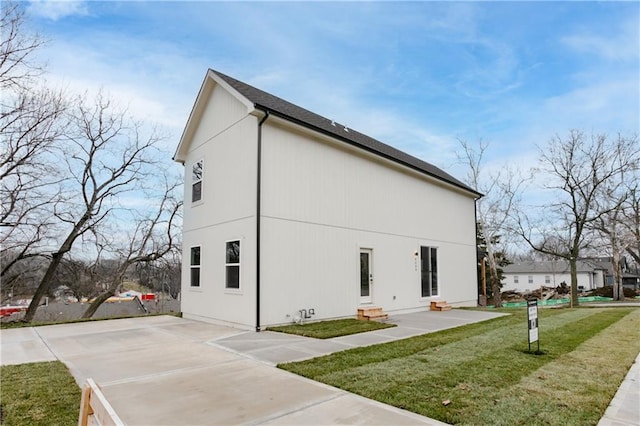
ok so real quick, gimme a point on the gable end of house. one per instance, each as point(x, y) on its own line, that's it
point(260, 103)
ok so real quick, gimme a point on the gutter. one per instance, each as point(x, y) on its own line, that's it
point(258, 213)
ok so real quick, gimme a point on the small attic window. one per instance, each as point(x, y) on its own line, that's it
point(196, 181)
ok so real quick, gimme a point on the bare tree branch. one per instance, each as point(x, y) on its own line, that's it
point(148, 242)
point(501, 191)
point(580, 169)
point(106, 157)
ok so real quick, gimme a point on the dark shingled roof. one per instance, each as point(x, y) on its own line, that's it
point(559, 266)
point(277, 106)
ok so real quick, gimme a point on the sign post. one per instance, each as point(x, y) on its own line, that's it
point(532, 316)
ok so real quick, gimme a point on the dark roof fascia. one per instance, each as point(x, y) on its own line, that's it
point(276, 112)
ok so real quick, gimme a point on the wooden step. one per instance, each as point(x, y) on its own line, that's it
point(440, 305)
point(380, 317)
point(371, 313)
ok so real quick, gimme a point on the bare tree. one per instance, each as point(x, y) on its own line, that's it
point(29, 184)
point(22, 278)
point(577, 169)
point(616, 224)
point(632, 222)
point(31, 121)
point(106, 156)
point(80, 276)
point(152, 238)
point(162, 275)
point(501, 194)
point(17, 67)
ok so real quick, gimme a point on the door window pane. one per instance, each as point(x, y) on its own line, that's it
point(364, 275)
point(434, 271)
point(429, 271)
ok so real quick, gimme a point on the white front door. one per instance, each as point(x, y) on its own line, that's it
point(366, 275)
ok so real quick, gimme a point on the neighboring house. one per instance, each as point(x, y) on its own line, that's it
point(288, 213)
point(531, 275)
point(630, 275)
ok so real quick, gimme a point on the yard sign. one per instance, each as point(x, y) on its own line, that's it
point(532, 315)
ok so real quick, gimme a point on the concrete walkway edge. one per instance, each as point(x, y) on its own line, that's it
point(624, 408)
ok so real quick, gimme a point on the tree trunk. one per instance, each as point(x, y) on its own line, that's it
point(493, 274)
point(93, 307)
point(115, 283)
point(573, 264)
point(618, 289)
point(43, 288)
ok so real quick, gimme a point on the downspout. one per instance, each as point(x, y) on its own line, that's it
point(258, 213)
point(475, 218)
point(479, 279)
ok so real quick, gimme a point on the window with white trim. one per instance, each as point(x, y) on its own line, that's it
point(516, 279)
point(530, 279)
point(194, 262)
point(547, 279)
point(232, 265)
point(196, 181)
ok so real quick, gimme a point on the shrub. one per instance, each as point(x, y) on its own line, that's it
point(607, 291)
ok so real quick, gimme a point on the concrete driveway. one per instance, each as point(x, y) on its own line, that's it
point(165, 370)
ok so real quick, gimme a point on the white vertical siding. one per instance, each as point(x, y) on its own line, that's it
point(322, 202)
point(315, 182)
point(226, 139)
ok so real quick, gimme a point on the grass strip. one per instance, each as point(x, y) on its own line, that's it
point(584, 378)
point(330, 329)
point(472, 366)
point(42, 393)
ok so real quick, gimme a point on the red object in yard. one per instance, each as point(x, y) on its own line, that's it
point(5, 311)
point(148, 296)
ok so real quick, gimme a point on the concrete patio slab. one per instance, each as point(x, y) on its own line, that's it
point(365, 339)
point(169, 371)
point(350, 410)
point(23, 345)
point(237, 392)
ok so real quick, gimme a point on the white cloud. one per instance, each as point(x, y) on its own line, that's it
point(57, 9)
point(144, 78)
point(620, 46)
point(610, 105)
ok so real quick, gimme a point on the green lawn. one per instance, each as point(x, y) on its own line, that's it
point(42, 393)
point(330, 329)
point(484, 371)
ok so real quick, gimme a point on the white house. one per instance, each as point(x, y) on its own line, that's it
point(528, 276)
point(288, 211)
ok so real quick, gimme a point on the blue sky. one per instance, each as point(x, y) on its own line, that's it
point(415, 75)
